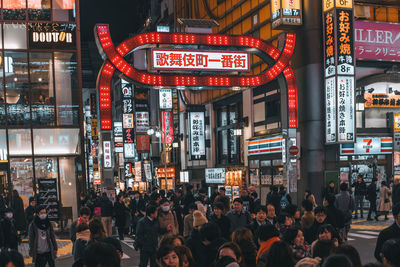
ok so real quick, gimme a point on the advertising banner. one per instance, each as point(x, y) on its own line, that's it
point(165, 96)
point(107, 154)
point(345, 109)
point(52, 36)
point(330, 110)
point(215, 176)
point(48, 197)
point(264, 146)
point(197, 135)
point(167, 126)
point(142, 121)
point(366, 145)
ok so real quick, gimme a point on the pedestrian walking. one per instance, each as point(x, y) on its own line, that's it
point(274, 198)
point(245, 240)
point(384, 201)
point(137, 207)
point(97, 231)
point(30, 211)
point(122, 215)
point(345, 203)
point(308, 214)
point(221, 220)
point(167, 256)
point(371, 197)
point(267, 234)
point(17, 206)
point(188, 199)
point(147, 237)
point(330, 190)
point(224, 200)
point(360, 190)
point(167, 218)
point(80, 244)
point(42, 240)
point(261, 219)
point(310, 197)
point(188, 220)
point(396, 191)
point(106, 211)
point(84, 216)
point(10, 234)
point(238, 217)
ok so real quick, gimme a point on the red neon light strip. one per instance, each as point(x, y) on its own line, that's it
point(292, 97)
point(107, 73)
point(116, 58)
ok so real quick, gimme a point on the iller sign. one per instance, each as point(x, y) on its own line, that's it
point(165, 59)
point(52, 36)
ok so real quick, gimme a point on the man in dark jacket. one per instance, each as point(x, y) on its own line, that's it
point(138, 209)
point(106, 207)
point(9, 230)
point(188, 199)
point(311, 233)
point(360, 189)
point(247, 200)
point(391, 232)
point(396, 191)
point(274, 198)
point(334, 216)
point(223, 199)
point(238, 217)
point(221, 220)
point(330, 190)
point(147, 237)
point(371, 197)
point(30, 210)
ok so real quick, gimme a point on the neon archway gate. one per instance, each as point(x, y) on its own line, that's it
point(114, 62)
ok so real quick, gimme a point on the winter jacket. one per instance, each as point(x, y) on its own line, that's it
point(9, 233)
point(120, 211)
point(224, 200)
point(106, 206)
point(307, 219)
point(249, 252)
point(371, 192)
point(17, 206)
point(239, 220)
point(29, 213)
point(391, 232)
point(224, 225)
point(188, 225)
point(384, 194)
point(360, 189)
point(345, 203)
point(78, 252)
point(396, 194)
point(137, 206)
point(33, 240)
point(275, 199)
point(147, 234)
point(335, 217)
point(311, 233)
point(165, 218)
point(187, 200)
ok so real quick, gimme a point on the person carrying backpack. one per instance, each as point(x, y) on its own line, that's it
point(285, 198)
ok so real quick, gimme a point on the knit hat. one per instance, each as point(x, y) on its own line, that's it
point(199, 218)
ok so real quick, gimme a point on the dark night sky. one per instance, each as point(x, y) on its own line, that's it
point(124, 17)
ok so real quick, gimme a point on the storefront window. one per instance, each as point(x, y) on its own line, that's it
point(2, 102)
point(17, 86)
point(3, 146)
point(64, 10)
point(20, 142)
point(22, 177)
point(68, 184)
point(56, 141)
point(39, 9)
point(46, 168)
point(43, 101)
point(15, 36)
point(66, 80)
point(14, 9)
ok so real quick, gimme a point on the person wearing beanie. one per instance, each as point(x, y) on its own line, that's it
point(30, 211)
point(42, 240)
point(194, 241)
point(238, 217)
point(167, 218)
point(9, 229)
point(199, 220)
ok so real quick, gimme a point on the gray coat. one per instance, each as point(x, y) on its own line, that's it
point(33, 241)
point(239, 220)
point(345, 203)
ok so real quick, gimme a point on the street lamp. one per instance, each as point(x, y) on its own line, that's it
point(158, 132)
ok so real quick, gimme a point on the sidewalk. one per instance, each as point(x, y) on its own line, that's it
point(64, 249)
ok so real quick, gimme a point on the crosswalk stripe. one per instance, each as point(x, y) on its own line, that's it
point(350, 239)
point(362, 236)
point(368, 232)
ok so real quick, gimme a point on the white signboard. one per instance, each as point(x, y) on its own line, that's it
point(184, 176)
point(142, 121)
point(345, 109)
point(107, 154)
point(138, 171)
point(330, 110)
point(166, 59)
point(147, 172)
point(129, 150)
point(197, 137)
point(366, 145)
point(165, 98)
point(215, 176)
point(127, 120)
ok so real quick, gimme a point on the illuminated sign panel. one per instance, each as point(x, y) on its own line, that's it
point(265, 146)
point(197, 135)
point(381, 100)
point(396, 122)
point(286, 13)
point(107, 154)
point(165, 98)
point(167, 126)
point(339, 71)
point(368, 146)
point(52, 36)
point(377, 41)
point(215, 176)
point(163, 59)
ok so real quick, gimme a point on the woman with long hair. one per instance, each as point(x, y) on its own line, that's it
point(280, 255)
point(243, 237)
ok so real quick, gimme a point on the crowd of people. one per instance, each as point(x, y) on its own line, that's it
point(187, 229)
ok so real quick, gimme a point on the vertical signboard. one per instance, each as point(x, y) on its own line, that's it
point(167, 127)
point(286, 13)
point(142, 121)
point(128, 123)
point(128, 170)
point(165, 98)
point(48, 197)
point(339, 66)
point(197, 137)
point(396, 145)
point(107, 154)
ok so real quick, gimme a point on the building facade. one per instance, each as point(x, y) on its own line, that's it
point(41, 109)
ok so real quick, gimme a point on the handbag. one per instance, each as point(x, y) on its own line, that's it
point(387, 200)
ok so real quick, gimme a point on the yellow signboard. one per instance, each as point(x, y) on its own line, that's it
point(291, 4)
point(396, 121)
point(328, 5)
point(381, 100)
point(344, 3)
point(275, 6)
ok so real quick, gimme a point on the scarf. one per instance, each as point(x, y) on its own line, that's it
point(42, 224)
point(84, 235)
point(265, 246)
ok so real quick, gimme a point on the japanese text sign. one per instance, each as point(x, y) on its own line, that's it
point(197, 137)
point(128, 170)
point(165, 98)
point(396, 121)
point(142, 121)
point(52, 36)
point(345, 109)
point(164, 59)
point(329, 4)
point(167, 126)
point(330, 110)
point(329, 44)
point(381, 100)
point(215, 176)
point(107, 154)
point(286, 13)
point(345, 43)
point(377, 41)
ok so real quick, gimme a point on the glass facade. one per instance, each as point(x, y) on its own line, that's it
point(39, 99)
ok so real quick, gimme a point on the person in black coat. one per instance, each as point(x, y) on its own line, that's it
point(396, 192)
point(137, 207)
point(9, 230)
point(30, 210)
point(334, 216)
point(311, 233)
point(221, 220)
point(330, 190)
point(391, 232)
point(360, 190)
point(188, 199)
point(121, 213)
point(147, 231)
point(178, 208)
point(17, 206)
point(274, 198)
point(371, 197)
point(106, 208)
